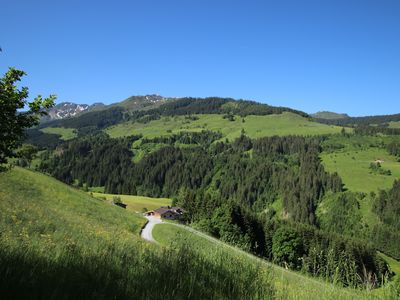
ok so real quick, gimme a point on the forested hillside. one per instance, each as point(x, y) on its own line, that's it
point(270, 195)
point(367, 120)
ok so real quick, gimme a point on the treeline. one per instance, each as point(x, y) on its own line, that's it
point(94, 161)
point(215, 105)
point(394, 148)
point(367, 120)
point(42, 140)
point(212, 105)
point(374, 130)
point(387, 234)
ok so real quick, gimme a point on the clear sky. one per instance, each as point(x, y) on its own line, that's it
point(341, 55)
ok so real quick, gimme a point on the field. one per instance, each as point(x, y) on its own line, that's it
point(57, 242)
point(394, 124)
point(137, 203)
point(353, 167)
point(290, 285)
point(254, 126)
point(66, 133)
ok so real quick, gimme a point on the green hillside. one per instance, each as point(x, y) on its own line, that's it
point(329, 115)
point(141, 102)
point(394, 124)
point(57, 242)
point(353, 166)
point(66, 133)
point(136, 203)
point(255, 126)
point(290, 285)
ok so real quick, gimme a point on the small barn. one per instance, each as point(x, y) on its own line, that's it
point(120, 204)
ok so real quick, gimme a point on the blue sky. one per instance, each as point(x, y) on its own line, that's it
point(341, 55)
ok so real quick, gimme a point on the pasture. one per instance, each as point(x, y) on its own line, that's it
point(66, 133)
point(353, 166)
point(254, 126)
point(137, 204)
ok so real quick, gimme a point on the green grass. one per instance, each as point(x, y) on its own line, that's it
point(353, 167)
point(143, 150)
point(137, 203)
point(394, 264)
point(290, 285)
point(254, 126)
point(57, 242)
point(66, 133)
point(96, 189)
point(394, 124)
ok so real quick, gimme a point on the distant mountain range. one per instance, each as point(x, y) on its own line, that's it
point(66, 110)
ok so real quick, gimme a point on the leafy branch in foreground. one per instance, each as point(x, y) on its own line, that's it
point(13, 122)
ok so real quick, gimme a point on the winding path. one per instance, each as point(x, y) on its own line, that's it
point(148, 228)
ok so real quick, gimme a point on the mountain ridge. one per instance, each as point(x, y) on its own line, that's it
point(329, 115)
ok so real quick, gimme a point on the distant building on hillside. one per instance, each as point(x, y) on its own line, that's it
point(120, 204)
point(166, 212)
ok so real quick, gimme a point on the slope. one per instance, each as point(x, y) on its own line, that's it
point(291, 285)
point(59, 243)
point(286, 123)
point(329, 115)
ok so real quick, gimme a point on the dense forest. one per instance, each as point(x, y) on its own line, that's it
point(229, 189)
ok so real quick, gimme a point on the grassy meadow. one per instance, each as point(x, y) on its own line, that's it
point(66, 133)
point(353, 168)
point(352, 159)
point(137, 204)
point(254, 126)
point(289, 284)
point(394, 124)
point(57, 242)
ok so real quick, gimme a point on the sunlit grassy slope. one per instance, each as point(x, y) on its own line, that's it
point(394, 124)
point(57, 242)
point(290, 285)
point(137, 203)
point(353, 167)
point(254, 126)
point(66, 133)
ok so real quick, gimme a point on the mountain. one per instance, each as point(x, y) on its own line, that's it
point(328, 115)
point(65, 110)
point(141, 102)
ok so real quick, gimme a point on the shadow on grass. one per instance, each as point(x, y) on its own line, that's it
point(140, 273)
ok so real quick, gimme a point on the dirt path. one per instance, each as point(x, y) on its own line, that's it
point(148, 229)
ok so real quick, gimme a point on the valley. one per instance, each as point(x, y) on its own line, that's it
point(301, 204)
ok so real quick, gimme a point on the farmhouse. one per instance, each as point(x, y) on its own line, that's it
point(166, 212)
